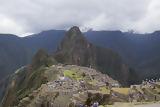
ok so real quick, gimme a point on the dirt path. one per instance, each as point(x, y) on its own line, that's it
point(149, 105)
point(133, 105)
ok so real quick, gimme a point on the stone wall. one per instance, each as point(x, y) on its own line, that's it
point(151, 96)
point(156, 85)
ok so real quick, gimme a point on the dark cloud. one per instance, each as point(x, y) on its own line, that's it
point(32, 16)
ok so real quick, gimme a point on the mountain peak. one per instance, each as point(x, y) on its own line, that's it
point(73, 39)
point(74, 32)
point(75, 29)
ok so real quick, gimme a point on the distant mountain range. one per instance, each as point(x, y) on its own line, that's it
point(141, 51)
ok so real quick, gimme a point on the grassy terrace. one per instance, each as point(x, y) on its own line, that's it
point(150, 91)
point(121, 90)
point(78, 75)
point(120, 99)
point(157, 89)
point(138, 87)
point(92, 83)
point(71, 74)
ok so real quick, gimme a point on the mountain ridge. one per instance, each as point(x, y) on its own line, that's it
point(135, 53)
point(47, 81)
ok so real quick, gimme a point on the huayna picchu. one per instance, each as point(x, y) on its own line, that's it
point(77, 73)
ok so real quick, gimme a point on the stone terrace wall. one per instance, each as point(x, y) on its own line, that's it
point(123, 96)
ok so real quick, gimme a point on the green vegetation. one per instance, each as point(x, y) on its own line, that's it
point(119, 99)
point(41, 58)
point(71, 74)
point(28, 79)
point(92, 83)
point(29, 84)
point(105, 90)
point(149, 91)
point(138, 87)
point(78, 75)
point(121, 90)
point(157, 89)
point(59, 58)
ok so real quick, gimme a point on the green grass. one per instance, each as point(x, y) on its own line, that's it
point(100, 106)
point(138, 87)
point(120, 99)
point(92, 83)
point(71, 74)
point(122, 90)
point(150, 91)
point(157, 89)
point(105, 90)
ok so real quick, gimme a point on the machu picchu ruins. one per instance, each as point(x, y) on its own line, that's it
point(75, 85)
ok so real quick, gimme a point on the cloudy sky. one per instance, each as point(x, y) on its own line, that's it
point(22, 17)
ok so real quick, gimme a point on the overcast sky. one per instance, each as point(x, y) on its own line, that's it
point(23, 17)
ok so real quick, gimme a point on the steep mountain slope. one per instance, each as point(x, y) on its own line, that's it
point(137, 49)
point(47, 40)
point(75, 49)
point(26, 79)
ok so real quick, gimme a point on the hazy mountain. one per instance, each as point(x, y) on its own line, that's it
point(12, 54)
point(137, 49)
point(16, 52)
point(140, 50)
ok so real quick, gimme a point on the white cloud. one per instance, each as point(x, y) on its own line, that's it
point(150, 21)
point(8, 25)
point(25, 16)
